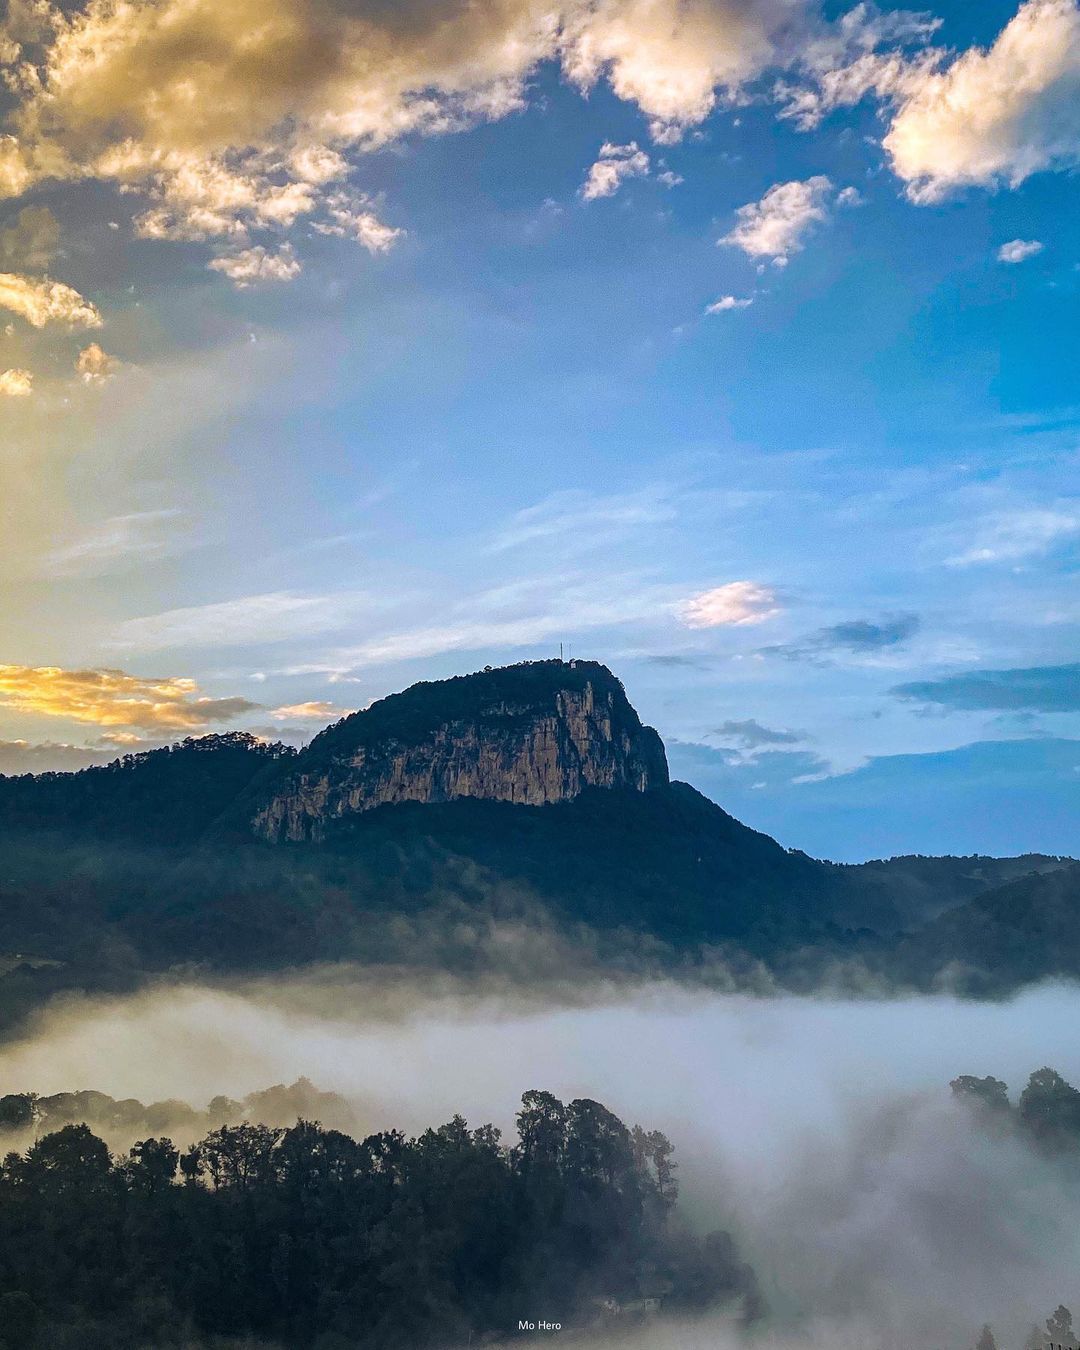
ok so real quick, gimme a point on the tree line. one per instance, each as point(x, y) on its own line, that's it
point(305, 1237)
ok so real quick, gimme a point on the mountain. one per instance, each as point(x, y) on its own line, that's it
point(519, 818)
point(533, 734)
point(1025, 930)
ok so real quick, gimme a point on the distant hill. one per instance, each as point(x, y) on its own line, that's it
point(1025, 930)
point(525, 803)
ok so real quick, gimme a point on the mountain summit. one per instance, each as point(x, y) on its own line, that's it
point(531, 734)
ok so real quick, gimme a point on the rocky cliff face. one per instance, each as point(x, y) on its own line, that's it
point(534, 734)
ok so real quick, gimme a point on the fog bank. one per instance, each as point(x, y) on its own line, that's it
point(820, 1131)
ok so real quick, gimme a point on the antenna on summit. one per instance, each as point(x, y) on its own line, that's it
point(560, 651)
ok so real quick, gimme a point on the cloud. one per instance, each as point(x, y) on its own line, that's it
point(726, 303)
point(30, 244)
point(840, 64)
point(270, 617)
point(138, 535)
point(584, 518)
point(1016, 250)
point(994, 116)
point(615, 164)
point(316, 710)
point(775, 226)
point(736, 603)
point(94, 366)
point(671, 58)
point(253, 265)
point(16, 383)
point(112, 698)
point(40, 302)
point(1046, 689)
point(856, 635)
point(235, 116)
point(1008, 536)
point(17, 757)
point(352, 219)
point(751, 735)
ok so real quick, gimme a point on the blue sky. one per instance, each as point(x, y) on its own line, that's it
point(733, 344)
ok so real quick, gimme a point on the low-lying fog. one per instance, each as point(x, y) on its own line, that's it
point(820, 1131)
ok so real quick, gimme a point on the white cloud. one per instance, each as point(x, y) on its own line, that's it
point(271, 617)
point(615, 164)
point(233, 116)
point(1010, 536)
point(251, 266)
point(736, 603)
point(994, 116)
point(584, 519)
point(315, 710)
point(137, 536)
point(16, 383)
point(671, 57)
point(775, 226)
point(40, 302)
point(728, 302)
point(842, 63)
point(348, 218)
point(1016, 250)
point(95, 366)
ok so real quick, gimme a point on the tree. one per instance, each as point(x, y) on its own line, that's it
point(152, 1165)
point(990, 1094)
point(1059, 1326)
point(1050, 1109)
point(986, 1339)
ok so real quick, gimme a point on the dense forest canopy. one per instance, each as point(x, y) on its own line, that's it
point(306, 1237)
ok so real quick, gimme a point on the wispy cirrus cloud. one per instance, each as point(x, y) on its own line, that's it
point(266, 618)
point(118, 541)
point(114, 698)
point(1012, 534)
point(585, 518)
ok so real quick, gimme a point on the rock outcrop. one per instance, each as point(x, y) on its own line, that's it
point(536, 733)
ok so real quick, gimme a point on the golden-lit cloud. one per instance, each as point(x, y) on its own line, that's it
point(251, 266)
point(16, 383)
point(995, 115)
point(316, 710)
point(736, 603)
point(40, 301)
point(95, 366)
point(113, 698)
point(239, 115)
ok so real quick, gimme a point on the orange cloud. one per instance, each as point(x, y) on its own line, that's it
point(112, 698)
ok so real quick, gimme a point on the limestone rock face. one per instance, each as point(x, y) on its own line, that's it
point(533, 734)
